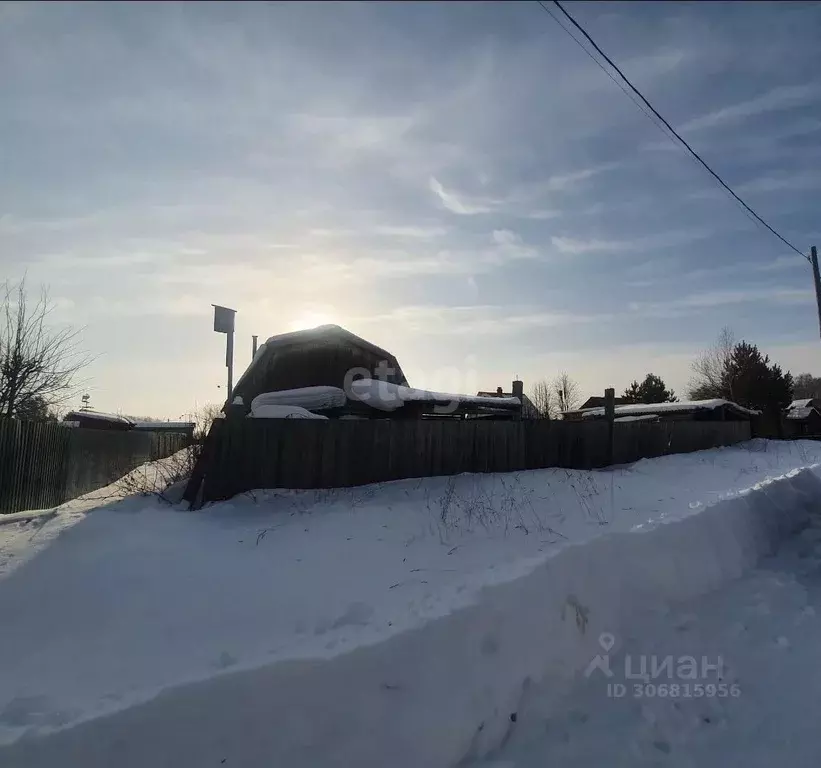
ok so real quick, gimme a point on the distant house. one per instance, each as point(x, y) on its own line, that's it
point(685, 410)
point(99, 420)
point(803, 417)
point(333, 372)
point(529, 411)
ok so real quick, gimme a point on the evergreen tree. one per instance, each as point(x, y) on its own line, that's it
point(651, 390)
point(632, 393)
point(755, 382)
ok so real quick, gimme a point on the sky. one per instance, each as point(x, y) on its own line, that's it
point(456, 182)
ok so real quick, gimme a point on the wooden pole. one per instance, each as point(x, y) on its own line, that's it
point(610, 415)
point(816, 277)
point(229, 362)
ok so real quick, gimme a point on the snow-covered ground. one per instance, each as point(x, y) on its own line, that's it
point(400, 623)
point(765, 628)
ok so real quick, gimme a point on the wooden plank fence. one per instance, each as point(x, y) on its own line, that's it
point(43, 464)
point(244, 454)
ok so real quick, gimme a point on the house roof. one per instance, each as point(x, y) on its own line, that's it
point(322, 356)
point(98, 416)
point(598, 402)
point(385, 396)
point(806, 403)
point(683, 406)
point(799, 413)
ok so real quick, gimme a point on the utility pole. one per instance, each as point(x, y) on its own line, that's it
point(610, 415)
point(224, 323)
point(816, 277)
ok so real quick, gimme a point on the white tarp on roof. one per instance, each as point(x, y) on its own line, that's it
point(312, 398)
point(636, 409)
point(389, 397)
point(99, 415)
point(283, 412)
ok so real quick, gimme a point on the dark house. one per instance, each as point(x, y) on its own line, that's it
point(323, 356)
point(803, 417)
point(528, 411)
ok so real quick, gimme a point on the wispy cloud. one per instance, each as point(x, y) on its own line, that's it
point(481, 320)
point(463, 205)
point(523, 200)
point(781, 182)
point(563, 181)
point(571, 245)
point(712, 299)
point(411, 231)
point(776, 99)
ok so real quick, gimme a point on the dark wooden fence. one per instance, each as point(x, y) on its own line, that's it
point(45, 464)
point(243, 454)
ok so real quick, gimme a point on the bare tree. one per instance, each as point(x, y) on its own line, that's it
point(541, 395)
point(204, 417)
point(711, 370)
point(38, 364)
point(566, 392)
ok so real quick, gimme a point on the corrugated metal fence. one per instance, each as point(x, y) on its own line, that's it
point(243, 454)
point(45, 464)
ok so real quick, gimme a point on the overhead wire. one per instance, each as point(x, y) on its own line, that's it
point(656, 116)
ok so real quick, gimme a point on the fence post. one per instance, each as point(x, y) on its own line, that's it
point(610, 415)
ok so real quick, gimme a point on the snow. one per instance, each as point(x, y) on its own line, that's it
point(163, 425)
point(396, 624)
point(283, 412)
point(312, 398)
point(645, 417)
point(683, 405)
point(74, 415)
point(806, 403)
point(385, 396)
point(766, 627)
point(799, 412)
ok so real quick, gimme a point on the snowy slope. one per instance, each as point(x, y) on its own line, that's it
point(765, 628)
point(396, 622)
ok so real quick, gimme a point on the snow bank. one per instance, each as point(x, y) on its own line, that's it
point(311, 398)
point(386, 396)
point(395, 625)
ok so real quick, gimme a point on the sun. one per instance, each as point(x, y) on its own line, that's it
point(311, 320)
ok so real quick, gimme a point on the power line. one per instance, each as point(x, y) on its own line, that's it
point(624, 90)
point(606, 71)
point(657, 115)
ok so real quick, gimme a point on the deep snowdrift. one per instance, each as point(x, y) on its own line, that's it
point(765, 627)
point(396, 624)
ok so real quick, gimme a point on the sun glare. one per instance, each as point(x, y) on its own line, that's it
point(311, 320)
